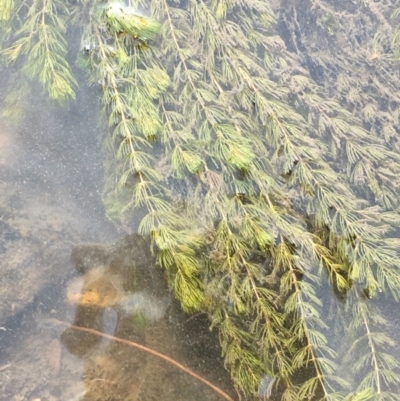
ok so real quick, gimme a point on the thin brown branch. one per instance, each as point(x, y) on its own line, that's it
point(150, 351)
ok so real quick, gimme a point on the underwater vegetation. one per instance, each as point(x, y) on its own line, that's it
point(260, 141)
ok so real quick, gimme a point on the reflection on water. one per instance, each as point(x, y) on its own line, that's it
point(50, 190)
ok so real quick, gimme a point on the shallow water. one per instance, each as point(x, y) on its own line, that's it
point(64, 266)
point(51, 178)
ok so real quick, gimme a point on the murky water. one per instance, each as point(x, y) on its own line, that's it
point(64, 266)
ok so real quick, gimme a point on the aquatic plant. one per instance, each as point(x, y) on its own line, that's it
point(259, 140)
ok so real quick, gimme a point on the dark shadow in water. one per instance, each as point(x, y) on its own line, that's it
point(121, 292)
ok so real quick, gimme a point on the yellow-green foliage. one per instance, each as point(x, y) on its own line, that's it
point(40, 46)
point(260, 138)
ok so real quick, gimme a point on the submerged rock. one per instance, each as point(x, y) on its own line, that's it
point(123, 278)
point(105, 289)
point(120, 292)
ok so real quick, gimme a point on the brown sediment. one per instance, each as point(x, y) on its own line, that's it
point(150, 351)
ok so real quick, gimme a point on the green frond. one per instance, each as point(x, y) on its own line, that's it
point(122, 19)
point(6, 8)
point(40, 41)
point(259, 140)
